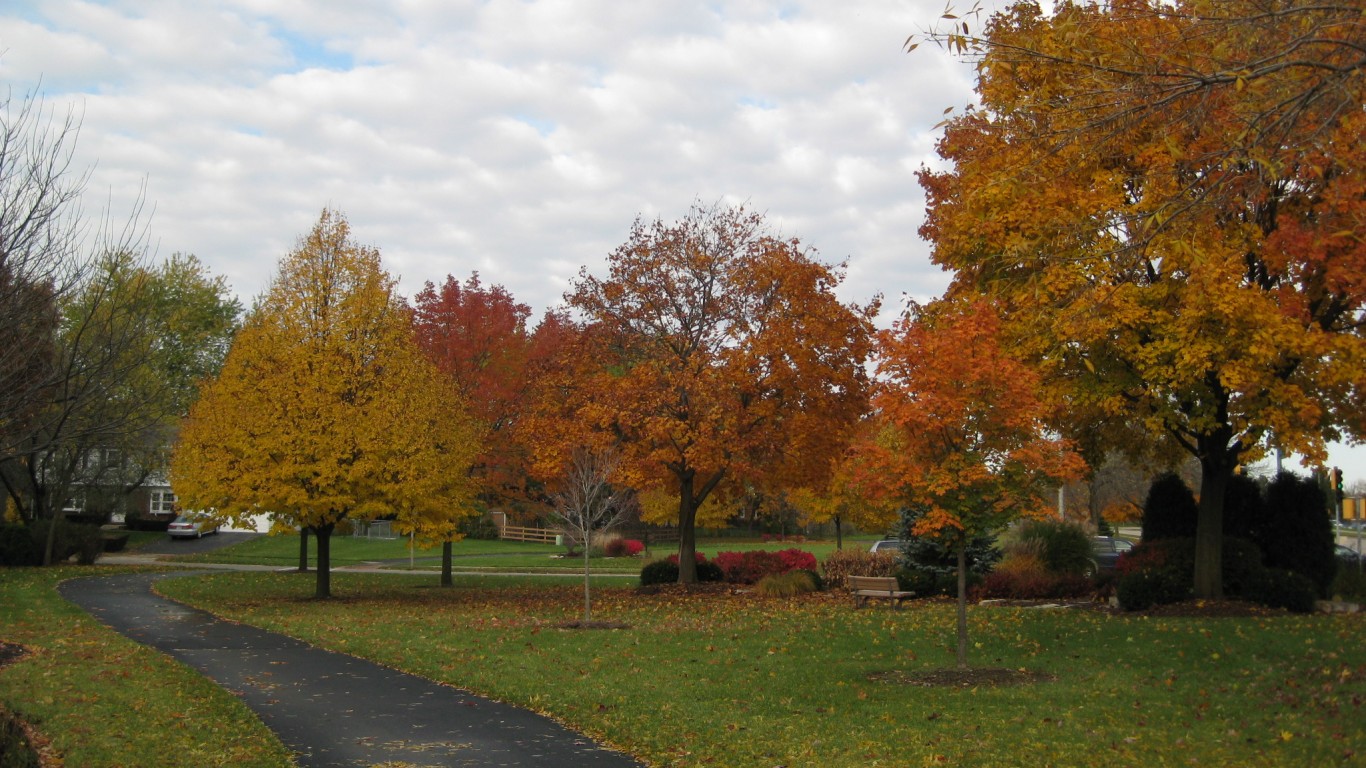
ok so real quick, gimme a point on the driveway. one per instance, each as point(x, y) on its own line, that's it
point(169, 546)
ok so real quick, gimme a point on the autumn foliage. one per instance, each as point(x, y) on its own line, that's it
point(965, 440)
point(477, 335)
point(1166, 201)
point(326, 410)
point(713, 353)
point(750, 566)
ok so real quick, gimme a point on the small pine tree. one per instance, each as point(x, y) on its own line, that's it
point(1170, 511)
point(1244, 509)
point(927, 554)
point(1298, 535)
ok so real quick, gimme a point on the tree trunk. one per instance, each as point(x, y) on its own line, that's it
point(587, 595)
point(1093, 501)
point(303, 549)
point(1209, 528)
point(324, 584)
point(51, 542)
point(839, 534)
point(963, 604)
point(446, 578)
point(687, 531)
point(41, 507)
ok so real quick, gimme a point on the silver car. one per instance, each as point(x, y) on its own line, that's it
point(191, 526)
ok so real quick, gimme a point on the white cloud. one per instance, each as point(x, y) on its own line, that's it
point(519, 139)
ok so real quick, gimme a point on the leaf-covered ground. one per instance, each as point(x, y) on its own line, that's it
point(720, 678)
point(97, 699)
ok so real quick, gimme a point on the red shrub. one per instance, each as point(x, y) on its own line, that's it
point(623, 548)
point(1147, 557)
point(798, 559)
point(749, 567)
point(1033, 586)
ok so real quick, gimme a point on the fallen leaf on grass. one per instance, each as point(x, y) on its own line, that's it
point(962, 678)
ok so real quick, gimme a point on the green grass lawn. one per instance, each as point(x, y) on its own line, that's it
point(478, 554)
point(106, 701)
point(737, 680)
point(139, 539)
point(349, 550)
point(722, 679)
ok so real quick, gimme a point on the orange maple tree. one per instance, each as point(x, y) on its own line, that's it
point(712, 354)
point(964, 439)
point(853, 494)
point(478, 336)
point(1167, 200)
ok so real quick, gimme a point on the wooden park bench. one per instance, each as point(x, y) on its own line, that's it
point(866, 588)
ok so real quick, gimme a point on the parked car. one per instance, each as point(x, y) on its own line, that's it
point(191, 526)
point(886, 545)
point(1347, 555)
point(1107, 550)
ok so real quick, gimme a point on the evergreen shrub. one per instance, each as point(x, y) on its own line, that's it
point(17, 547)
point(1170, 510)
point(1280, 588)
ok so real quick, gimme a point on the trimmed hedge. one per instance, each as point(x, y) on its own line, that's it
point(1298, 535)
point(1279, 588)
point(1063, 547)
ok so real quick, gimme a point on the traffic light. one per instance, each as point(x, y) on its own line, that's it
point(1337, 482)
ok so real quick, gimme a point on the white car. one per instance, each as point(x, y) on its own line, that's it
point(191, 526)
point(886, 545)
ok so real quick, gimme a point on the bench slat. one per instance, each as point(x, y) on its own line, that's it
point(880, 587)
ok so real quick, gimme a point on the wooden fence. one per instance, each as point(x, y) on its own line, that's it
point(522, 533)
point(649, 536)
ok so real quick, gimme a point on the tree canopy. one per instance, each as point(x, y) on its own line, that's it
point(477, 335)
point(1166, 200)
point(965, 442)
point(713, 353)
point(125, 357)
point(326, 409)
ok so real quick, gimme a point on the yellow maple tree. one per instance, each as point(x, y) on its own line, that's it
point(326, 410)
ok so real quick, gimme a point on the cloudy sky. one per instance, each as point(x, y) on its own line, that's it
point(515, 138)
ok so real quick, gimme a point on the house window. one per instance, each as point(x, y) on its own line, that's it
point(163, 503)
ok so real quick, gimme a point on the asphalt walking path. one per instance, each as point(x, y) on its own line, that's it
point(329, 708)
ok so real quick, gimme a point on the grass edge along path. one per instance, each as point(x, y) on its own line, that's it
point(726, 679)
point(101, 700)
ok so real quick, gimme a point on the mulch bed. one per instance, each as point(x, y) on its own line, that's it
point(10, 653)
point(30, 739)
point(1214, 609)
